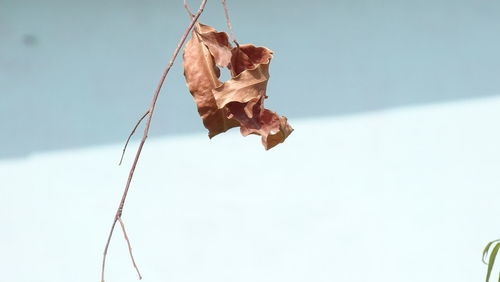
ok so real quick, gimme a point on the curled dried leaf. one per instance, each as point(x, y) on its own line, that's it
point(247, 56)
point(217, 43)
point(244, 96)
point(240, 100)
point(202, 76)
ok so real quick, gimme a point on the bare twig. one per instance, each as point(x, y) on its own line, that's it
point(132, 133)
point(129, 247)
point(187, 9)
point(228, 22)
point(119, 211)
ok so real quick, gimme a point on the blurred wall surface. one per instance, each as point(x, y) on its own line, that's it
point(77, 73)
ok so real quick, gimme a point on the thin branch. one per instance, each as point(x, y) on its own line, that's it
point(129, 247)
point(132, 133)
point(191, 15)
point(119, 211)
point(228, 22)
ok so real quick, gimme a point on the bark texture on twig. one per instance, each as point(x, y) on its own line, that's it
point(119, 211)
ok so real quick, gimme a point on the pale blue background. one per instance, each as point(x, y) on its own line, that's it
point(78, 73)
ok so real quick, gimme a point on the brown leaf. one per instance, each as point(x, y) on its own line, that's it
point(202, 76)
point(239, 101)
point(247, 57)
point(244, 96)
point(217, 43)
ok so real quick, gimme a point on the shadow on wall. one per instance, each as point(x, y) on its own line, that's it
point(75, 79)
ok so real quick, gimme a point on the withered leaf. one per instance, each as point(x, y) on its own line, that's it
point(217, 43)
point(244, 96)
point(239, 100)
point(202, 76)
point(248, 57)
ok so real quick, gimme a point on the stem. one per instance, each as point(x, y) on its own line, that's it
point(129, 248)
point(228, 22)
point(188, 10)
point(132, 133)
point(119, 211)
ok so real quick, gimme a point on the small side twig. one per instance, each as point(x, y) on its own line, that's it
point(130, 135)
point(191, 15)
point(129, 248)
point(228, 22)
point(119, 211)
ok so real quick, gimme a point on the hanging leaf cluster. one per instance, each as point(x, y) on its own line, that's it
point(238, 102)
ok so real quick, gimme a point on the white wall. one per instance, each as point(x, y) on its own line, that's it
point(404, 195)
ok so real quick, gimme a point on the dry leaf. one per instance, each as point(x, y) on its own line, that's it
point(239, 100)
point(247, 57)
point(217, 43)
point(202, 76)
point(244, 96)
